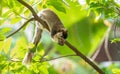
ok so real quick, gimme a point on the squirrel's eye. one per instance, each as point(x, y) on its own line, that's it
point(64, 35)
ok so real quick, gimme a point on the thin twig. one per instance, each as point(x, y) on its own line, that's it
point(44, 60)
point(84, 57)
point(20, 27)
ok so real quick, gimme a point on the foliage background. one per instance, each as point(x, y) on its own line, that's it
point(84, 21)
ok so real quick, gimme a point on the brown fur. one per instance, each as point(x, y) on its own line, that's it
point(55, 25)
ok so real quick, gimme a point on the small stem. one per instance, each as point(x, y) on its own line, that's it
point(42, 60)
point(20, 27)
point(84, 57)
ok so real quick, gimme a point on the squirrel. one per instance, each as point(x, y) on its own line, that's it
point(53, 25)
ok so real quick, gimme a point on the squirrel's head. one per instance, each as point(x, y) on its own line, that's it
point(60, 36)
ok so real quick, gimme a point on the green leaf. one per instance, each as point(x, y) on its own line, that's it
point(7, 13)
point(15, 20)
point(5, 30)
point(115, 40)
point(10, 3)
point(39, 68)
point(95, 5)
point(2, 37)
point(57, 5)
point(118, 21)
point(39, 47)
point(2, 66)
point(27, 13)
point(6, 45)
point(88, 1)
point(51, 70)
point(116, 71)
point(19, 49)
point(0, 10)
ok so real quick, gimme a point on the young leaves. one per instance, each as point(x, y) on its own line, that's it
point(58, 5)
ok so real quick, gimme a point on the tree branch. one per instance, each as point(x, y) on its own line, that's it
point(44, 60)
point(84, 57)
point(34, 14)
point(20, 27)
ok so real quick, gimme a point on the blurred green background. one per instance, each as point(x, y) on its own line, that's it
point(84, 20)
